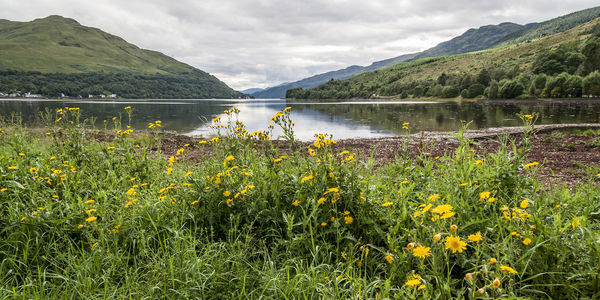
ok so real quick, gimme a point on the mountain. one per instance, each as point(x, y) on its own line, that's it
point(561, 65)
point(552, 26)
point(472, 40)
point(53, 47)
point(252, 90)
point(316, 80)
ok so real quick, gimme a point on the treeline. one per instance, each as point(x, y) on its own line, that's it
point(570, 70)
point(181, 86)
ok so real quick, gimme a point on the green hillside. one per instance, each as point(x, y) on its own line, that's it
point(44, 51)
point(553, 26)
point(559, 65)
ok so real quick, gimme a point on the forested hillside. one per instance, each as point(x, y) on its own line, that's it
point(561, 65)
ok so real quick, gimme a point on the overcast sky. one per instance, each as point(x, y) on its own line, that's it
point(263, 43)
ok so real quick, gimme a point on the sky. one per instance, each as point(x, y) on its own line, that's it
point(263, 43)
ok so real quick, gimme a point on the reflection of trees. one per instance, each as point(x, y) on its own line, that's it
point(178, 117)
point(447, 116)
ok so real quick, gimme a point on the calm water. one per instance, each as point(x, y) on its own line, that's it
point(342, 119)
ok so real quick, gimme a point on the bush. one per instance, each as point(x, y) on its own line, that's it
point(449, 92)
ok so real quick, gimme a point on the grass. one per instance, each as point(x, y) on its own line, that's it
point(114, 217)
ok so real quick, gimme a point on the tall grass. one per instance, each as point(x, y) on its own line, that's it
point(104, 213)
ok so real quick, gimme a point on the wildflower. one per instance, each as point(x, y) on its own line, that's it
point(526, 241)
point(188, 174)
point(331, 190)
point(110, 148)
point(91, 219)
point(23, 219)
point(296, 203)
point(433, 197)
point(455, 244)
point(180, 151)
point(226, 193)
point(21, 154)
point(481, 291)
point(475, 237)
point(387, 203)
point(79, 226)
point(307, 178)
point(89, 211)
point(575, 223)
point(229, 201)
point(492, 261)
point(528, 117)
point(453, 227)
point(413, 281)
point(389, 258)
point(348, 219)
point(422, 252)
point(321, 200)
point(484, 195)
point(437, 238)
point(421, 287)
point(529, 165)
point(478, 162)
point(508, 269)
point(169, 170)
point(172, 160)
point(127, 107)
point(287, 108)
point(469, 276)
point(349, 158)
point(464, 184)
point(3, 189)
point(332, 219)
point(323, 224)
point(410, 246)
point(12, 168)
point(404, 182)
point(496, 283)
point(524, 203)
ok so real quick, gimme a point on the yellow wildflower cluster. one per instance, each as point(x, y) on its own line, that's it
point(156, 124)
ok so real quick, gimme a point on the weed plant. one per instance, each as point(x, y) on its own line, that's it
point(88, 213)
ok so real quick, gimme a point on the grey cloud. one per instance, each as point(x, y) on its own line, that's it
point(260, 43)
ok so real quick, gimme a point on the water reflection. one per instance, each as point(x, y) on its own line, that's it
point(342, 119)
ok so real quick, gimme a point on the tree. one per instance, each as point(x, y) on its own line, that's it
point(449, 92)
point(475, 90)
point(493, 90)
point(510, 89)
point(442, 79)
point(591, 84)
point(483, 77)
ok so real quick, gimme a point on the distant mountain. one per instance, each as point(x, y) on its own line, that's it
point(472, 40)
point(44, 51)
point(316, 80)
point(252, 90)
point(552, 26)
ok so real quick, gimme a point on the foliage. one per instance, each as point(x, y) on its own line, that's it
point(168, 86)
point(115, 218)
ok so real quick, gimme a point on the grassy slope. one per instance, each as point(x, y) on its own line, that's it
point(60, 45)
point(430, 68)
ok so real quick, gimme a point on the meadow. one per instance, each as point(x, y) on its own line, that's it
point(101, 212)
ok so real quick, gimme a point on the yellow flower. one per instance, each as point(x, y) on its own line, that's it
point(110, 148)
point(422, 252)
point(188, 174)
point(321, 200)
point(79, 226)
point(508, 269)
point(226, 193)
point(410, 246)
point(127, 107)
point(348, 219)
point(180, 151)
point(349, 158)
point(323, 224)
point(21, 154)
point(228, 201)
point(307, 178)
point(469, 276)
point(421, 287)
point(475, 237)
point(492, 261)
point(387, 204)
point(194, 202)
point(413, 281)
point(296, 203)
point(479, 162)
point(484, 195)
point(437, 238)
point(389, 258)
point(453, 227)
point(529, 165)
point(332, 219)
point(526, 241)
point(496, 283)
point(12, 168)
point(3, 189)
point(91, 219)
point(575, 223)
point(433, 197)
point(524, 203)
point(89, 211)
point(455, 244)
